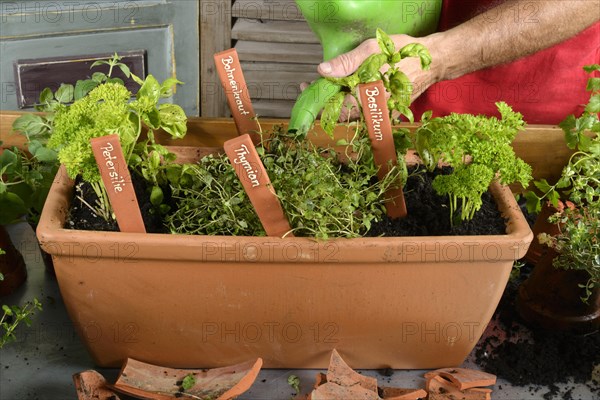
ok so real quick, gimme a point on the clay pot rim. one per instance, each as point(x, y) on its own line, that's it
point(50, 230)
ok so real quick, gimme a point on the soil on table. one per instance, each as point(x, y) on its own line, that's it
point(429, 214)
point(83, 217)
point(530, 357)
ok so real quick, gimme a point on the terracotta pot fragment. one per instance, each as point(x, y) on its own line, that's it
point(463, 378)
point(389, 393)
point(333, 391)
point(340, 373)
point(90, 385)
point(153, 382)
point(442, 389)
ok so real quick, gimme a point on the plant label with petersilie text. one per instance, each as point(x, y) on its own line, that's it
point(117, 180)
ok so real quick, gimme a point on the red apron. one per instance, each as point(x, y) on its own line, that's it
point(545, 87)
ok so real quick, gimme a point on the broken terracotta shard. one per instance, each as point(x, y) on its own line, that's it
point(153, 382)
point(90, 385)
point(340, 373)
point(389, 393)
point(442, 389)
point(464, 378)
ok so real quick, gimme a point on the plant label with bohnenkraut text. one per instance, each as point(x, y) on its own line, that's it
point(374, 104)
point(251, 172)
point(232, 78)
point(117, 180)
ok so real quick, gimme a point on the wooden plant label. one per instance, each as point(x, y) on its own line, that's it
point(232, 78)
point(251, 171)
point(374, 105)
point(115, 175)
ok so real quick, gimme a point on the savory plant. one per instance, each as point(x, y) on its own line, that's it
point(576, 194)
point(107, 109)
point(478, 148)
point(321, 196)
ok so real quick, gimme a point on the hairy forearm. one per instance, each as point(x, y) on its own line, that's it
point(514, 29)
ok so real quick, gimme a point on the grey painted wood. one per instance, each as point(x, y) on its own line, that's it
point(167, 29)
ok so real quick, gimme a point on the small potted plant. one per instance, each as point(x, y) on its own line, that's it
point(563, 289)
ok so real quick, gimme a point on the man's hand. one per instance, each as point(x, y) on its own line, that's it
point(497, 36)
point(348, 63)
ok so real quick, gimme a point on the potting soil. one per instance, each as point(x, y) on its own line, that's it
point(83, 217)
point(535, 358)
point(429, 213)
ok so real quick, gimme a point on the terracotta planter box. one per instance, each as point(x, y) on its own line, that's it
point(206, 301)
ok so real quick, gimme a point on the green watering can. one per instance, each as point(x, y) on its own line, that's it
point(341, 25)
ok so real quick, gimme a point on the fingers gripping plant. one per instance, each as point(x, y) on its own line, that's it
point(103, 107)
point(329, 93)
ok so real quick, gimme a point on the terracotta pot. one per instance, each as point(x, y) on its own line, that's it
point(211, 301)
point(536, 249)
point(551, 299)
point(12, 265)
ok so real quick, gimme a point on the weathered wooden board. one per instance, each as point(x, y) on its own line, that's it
point(273, 31)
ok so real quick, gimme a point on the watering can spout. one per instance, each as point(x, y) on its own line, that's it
point(341, 25)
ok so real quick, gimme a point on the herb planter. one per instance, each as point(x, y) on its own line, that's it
point(550, 297)
point(208, 301)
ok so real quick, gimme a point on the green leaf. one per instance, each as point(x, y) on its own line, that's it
point(64, 94)
point(188, 382)
point(167, 87)
point(173, 120)
point(11, 208)
point(46, 96)
point(125, 69)
point(116, 80)
point(83, 87)
point(99, 77)
point(99, 63)
point(593, 105)
point(8, 161)
point(417, 50)
point(591, 68)
point(386, 44)
point(156, 196)
point(150, 89)
point(45, 154)
point(30, 124)
point(331, 113)
point(137, 79)
point(543, 185)
point(593, 84)
point(294, 382)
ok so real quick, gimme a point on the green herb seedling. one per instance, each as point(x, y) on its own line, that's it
point(294, 382)
point(13, 315)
